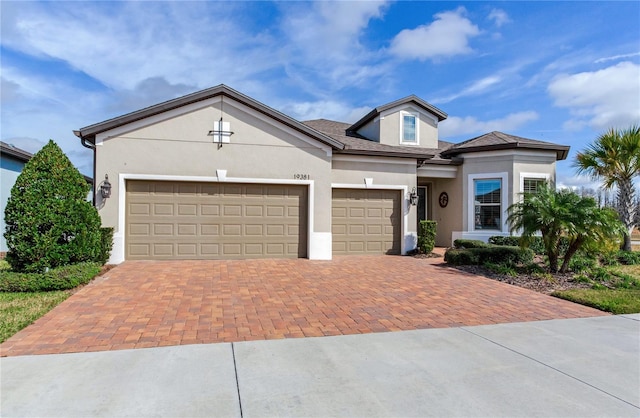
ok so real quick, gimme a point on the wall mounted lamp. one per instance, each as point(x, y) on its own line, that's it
point(105, 187)
point(413, 197)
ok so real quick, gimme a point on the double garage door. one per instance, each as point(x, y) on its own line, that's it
point(183, 220)
point(190, 220)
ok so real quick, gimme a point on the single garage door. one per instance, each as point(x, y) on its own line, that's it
point(365, 221)
point(184, 220)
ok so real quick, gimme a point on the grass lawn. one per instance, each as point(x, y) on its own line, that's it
point(18, 310)
point(618, 301)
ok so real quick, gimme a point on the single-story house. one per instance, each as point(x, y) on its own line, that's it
point(218, 175)
point(12, 161)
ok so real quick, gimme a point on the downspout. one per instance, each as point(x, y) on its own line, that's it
point(91, 146)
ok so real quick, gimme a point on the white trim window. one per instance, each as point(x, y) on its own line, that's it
point(488, 200)
point(409, 127)
point(487, 207)
point(529, 182)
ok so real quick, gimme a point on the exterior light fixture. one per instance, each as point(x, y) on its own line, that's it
point(105, 187)
point(413, 197)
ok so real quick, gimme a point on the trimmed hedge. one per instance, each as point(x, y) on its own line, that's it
point(535, 243)
point(60, 278)
point(106, 244)
point(495, 254)
point(470, 243)
point(427, 236)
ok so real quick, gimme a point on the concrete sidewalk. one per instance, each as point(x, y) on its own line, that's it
point(571, 367)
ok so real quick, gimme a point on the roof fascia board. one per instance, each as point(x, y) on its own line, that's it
point(385, 153)
point(561, 150)
point(16, 153)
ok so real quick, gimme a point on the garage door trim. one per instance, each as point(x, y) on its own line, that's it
point(118, 251)
point(404, 190)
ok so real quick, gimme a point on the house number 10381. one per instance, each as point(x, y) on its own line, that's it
point(302, 176)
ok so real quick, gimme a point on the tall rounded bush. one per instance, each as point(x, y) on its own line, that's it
point(49, 221)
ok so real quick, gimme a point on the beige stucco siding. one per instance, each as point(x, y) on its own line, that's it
point(176, 144)
point(507, 165)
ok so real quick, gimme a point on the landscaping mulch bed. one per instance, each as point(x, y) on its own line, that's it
point(547, 284)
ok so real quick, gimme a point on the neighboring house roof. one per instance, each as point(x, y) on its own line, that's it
point(89, 133)
point(409, 99)
point(357, 144)
point(15, 152)
point(498, 141)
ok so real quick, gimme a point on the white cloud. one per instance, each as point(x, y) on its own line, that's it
point(601, 99)
point(616, 57)
point(323, 42)
point(499, 17)
point(324, 109)
point(102, 41)
point(446, 36)
point(476, 87)
point(468, 125)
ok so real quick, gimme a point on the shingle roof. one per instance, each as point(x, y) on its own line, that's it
point(15, 152)
point(357, 144)
point(499, 140)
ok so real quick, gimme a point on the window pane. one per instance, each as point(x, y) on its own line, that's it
point(531, 185)
point(487, 191)
point(409, 128)
point(488, 217)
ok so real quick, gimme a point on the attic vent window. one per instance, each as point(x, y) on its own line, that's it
point(221, 132)
point(409, 128)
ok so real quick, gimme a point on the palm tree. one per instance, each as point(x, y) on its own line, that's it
point(562, 213)
point(614, 158)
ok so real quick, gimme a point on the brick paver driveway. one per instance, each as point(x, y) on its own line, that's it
point(159, 303)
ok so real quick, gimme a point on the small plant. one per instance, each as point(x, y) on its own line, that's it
point(628, 257)
point(427, 236)
point(533, 268)
point(581, 278)
point(500, 268)
point(581, 264)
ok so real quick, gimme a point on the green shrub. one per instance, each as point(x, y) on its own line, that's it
point(609, 258)
point(49, 221)
point(60, 278)
point(582, 264)
point(469, 243)
point(460, 257)
point(427, 236)
point(106, 244)
point(497, 254)
point(628, 257)
point(535, 243)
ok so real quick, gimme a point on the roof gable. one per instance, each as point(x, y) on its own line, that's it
point(88, 133)
point(413, 99)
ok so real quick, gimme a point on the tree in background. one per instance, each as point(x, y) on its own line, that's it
point(614, 159)
point(49, 221)
point(558, 213)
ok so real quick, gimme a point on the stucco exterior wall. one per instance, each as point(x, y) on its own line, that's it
point(508, 165)
point(381, 173)
point(449, 218)
point(371, 130)
point(176, 146)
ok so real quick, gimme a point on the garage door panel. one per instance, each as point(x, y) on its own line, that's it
point(366, 221)
point(207, 220)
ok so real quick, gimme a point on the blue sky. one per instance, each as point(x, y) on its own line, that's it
point(554, 71)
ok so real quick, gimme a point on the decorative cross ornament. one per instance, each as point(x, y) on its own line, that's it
point(221, 132)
